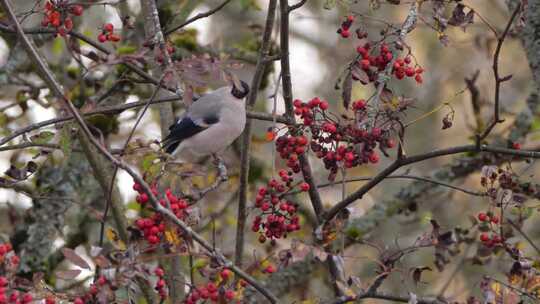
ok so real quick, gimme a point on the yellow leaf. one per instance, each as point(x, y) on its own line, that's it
point(172, 237)
point(114, 238)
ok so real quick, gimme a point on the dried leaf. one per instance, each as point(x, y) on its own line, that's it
point(114, 238)
point(459, 18)
point(417, 273)
point(68, 274)
point(74, 258)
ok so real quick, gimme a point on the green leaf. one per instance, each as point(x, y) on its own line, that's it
point(42, 138)
point(126, 49)
point(65, 140)
point(133, 206)
point(3, 119)
point(147, 161)
point(199, 263)
point(329, 4)
point(535, 125)
point(57, 46)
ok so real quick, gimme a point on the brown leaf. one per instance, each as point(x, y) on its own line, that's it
point(74, 258)
point(459, 18)
point(387, 95)
point(359, 75)
point(68, 274)
point(417, 273)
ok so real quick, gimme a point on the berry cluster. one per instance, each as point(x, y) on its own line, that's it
point(290, 148)
point(58, 14)
point(488, 221)
point(345, 26)
point(277, 216)
point(9, 262)
point(160, 284)
point(159, 54)
point(15, 296)
point(153, 227)
point(219, 293)
point(107, 34)
point(337, 143)
point(100, 289)
point(373, 60)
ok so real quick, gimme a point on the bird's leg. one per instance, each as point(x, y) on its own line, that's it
point(222, 169)
point(222, 176)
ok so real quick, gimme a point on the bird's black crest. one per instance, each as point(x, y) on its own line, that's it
point(240, 92)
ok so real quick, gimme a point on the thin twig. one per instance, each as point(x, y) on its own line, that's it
point(197, 17)
point(529, 240)
point(403, 176)
point(498, 79)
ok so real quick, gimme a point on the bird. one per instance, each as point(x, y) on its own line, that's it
point(209, 125)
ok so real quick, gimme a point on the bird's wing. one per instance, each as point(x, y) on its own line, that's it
point(201, 115)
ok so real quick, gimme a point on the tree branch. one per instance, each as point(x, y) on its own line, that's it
point(197, 17)
point(498, 78)
point(261, 66)
point(418, 158)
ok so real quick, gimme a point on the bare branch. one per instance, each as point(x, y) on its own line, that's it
point(197, 17)
point(498, 78)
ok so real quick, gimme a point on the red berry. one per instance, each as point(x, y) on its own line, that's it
point(495, 219)
point(304, 186)
point(345, 33)
point(76, 10)
point(68, 24)
point(323, 105)
point(102, 38)
point(418, 78)
point(484, 237)
point(78, 301)
point(373, 158)
point(27, 298)
point(270, 269)
point(108, 27)
point(229, 294)
point(482, 217)
point(409, 71)
point(50, 300)
point(113, 37)
point(407, 60)
point(225, 274)
point(516, 145)
point(497, 239)
point(159, 272)
point(142, 198)
point(102, 280)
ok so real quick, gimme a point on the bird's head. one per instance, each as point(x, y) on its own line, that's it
point(240, 90)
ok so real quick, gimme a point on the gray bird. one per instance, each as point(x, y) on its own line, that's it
point(209, 125)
